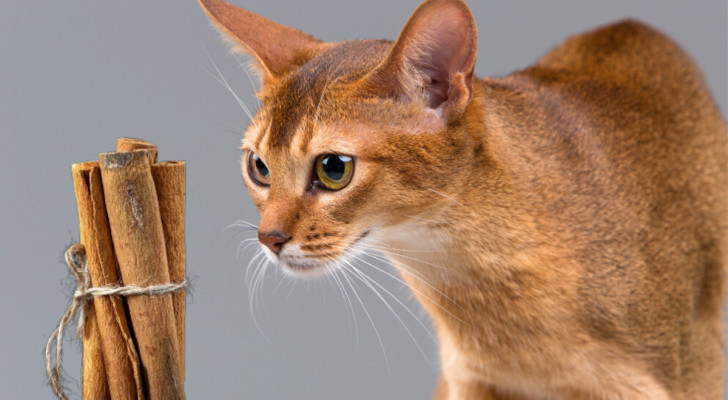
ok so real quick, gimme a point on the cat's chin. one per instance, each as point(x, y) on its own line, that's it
point(306, 271)
point(297, 269)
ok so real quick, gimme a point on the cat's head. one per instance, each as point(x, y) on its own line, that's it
point(357, 138)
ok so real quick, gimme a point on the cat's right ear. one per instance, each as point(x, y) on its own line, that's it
point(276, 48)
point(432, 60)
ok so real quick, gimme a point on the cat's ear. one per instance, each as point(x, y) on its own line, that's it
point(432, 60)
point(276, 48)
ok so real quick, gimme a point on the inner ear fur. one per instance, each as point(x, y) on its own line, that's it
point(276, 48)
point(432, 60)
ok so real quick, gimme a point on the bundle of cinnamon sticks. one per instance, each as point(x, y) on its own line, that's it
point(132, 222)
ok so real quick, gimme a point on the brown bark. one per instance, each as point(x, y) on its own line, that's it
point(95, 385)
point(121, 362)
point(138, 236)
point(169, 181)
point(126, 144)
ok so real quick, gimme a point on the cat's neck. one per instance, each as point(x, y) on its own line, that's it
point(467, 266)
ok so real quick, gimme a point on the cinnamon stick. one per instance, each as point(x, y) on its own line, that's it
point(127, 144)
point(123, 372)
point(138, 236)
point(169, 181)
point(94, 384)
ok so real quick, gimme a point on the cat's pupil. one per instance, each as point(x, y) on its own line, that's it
point(260, 165)
point(334, 166)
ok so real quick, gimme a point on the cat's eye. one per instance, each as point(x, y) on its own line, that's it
point(334, 171)
point(257, 170)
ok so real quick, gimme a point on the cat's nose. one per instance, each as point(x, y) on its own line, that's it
point(274, 240)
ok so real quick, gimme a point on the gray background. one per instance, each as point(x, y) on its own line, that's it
point(76, 75)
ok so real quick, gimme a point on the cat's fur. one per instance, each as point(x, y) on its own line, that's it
point(572, 216)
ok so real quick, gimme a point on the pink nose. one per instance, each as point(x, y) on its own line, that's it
point(274, 240)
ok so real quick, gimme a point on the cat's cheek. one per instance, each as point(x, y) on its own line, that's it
point(258, 194)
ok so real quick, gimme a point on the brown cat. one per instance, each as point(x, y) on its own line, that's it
point(573, 215)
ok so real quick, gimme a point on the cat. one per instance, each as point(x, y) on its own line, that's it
point(570, 220)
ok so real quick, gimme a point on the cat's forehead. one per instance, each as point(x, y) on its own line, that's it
point(313, 106)
point(298, 97)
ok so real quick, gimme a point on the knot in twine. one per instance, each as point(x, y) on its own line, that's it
point(76, 262)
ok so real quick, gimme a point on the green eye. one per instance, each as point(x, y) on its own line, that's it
point(334, 171)
point(257, 170)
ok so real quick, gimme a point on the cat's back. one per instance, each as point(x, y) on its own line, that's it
point(614, 145)
point(621, 105)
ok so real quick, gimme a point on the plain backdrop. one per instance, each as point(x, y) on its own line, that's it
point(75, 75)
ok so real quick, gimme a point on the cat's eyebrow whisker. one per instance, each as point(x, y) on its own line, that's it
point(225, 84)
point(368, 282)
point(231, 128)
point(244, 65)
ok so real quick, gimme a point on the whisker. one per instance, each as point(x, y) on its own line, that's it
point(347, 300)
point(243, 224)
point(248, 276)
point(411, 272)
point(381, 245)
point(250, 295)
point(382, 257)
point(445, 196)
point(394, 253)
point(282, 278)
point(230, 127)
point(368, 282)
point(401, 303)
point(250, 242)
point(224, 83)
point(369, 317)
point(419, 291)
point(261, 281)
point(245, 69)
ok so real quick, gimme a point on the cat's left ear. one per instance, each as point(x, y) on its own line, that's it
point(432, 60)
point(277, 48)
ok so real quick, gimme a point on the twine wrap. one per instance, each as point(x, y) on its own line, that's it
point(76, 261)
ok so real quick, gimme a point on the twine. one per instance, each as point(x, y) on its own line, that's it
point(76, 262)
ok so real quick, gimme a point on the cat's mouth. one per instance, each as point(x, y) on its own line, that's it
point(301, 264)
